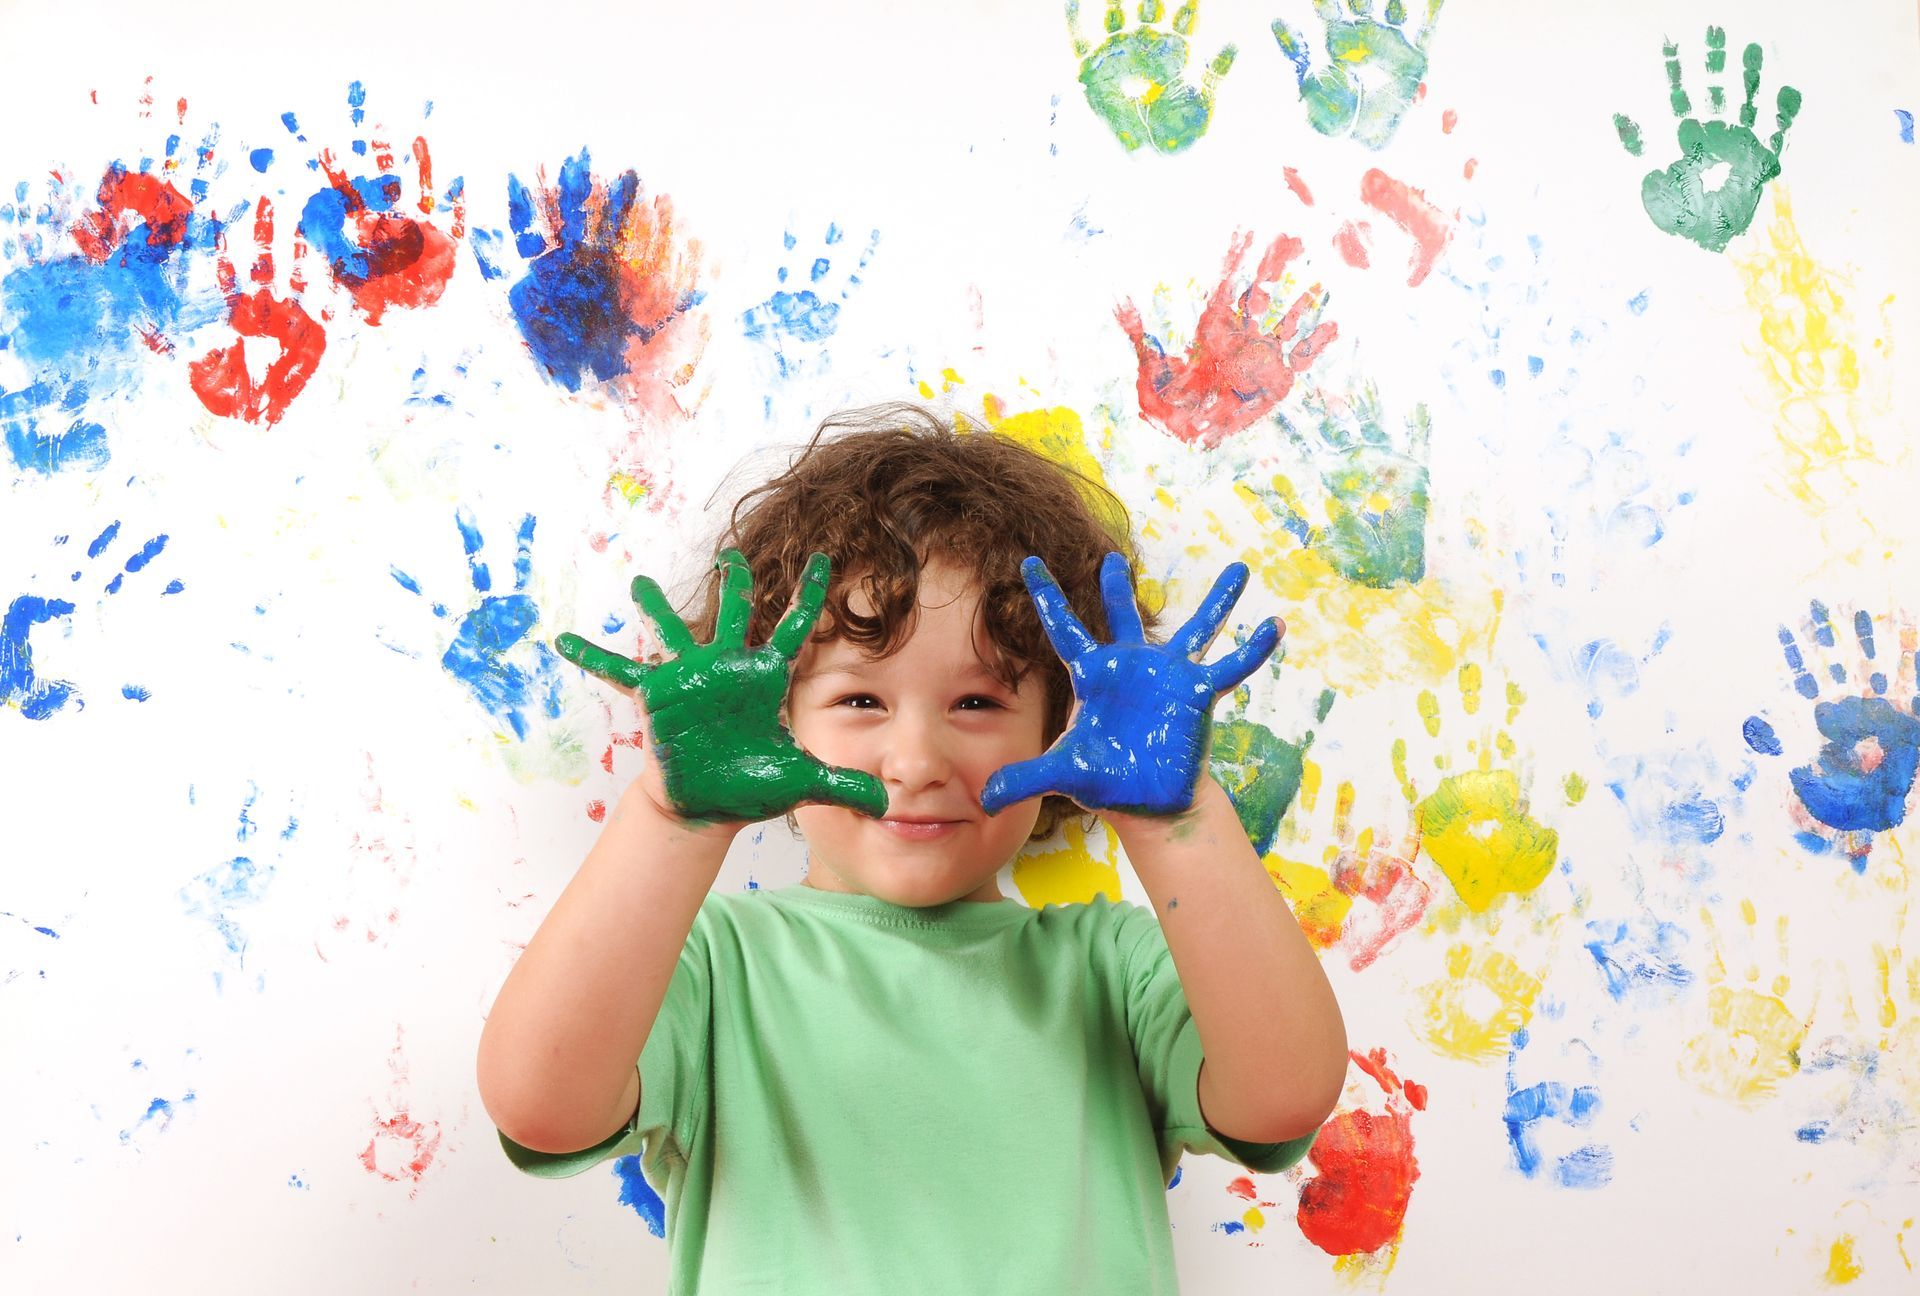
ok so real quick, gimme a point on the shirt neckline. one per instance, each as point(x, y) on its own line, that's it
point(955, 915)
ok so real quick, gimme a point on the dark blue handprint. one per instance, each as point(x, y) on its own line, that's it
point(1862, 779)
point(490, 635)
point(1139, 742)
point(21, 684)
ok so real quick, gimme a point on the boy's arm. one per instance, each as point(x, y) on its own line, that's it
point(556, 1061)
point(1274, 1040)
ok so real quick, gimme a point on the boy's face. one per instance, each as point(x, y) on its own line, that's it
point(931, 723)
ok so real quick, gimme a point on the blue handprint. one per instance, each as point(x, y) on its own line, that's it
point(236, 883)
point(1589, 1166)
point(805, 316)
point(21, 685)
point(499, 625)
point(1139, 742)
point(606, 279)
point(1860, 782)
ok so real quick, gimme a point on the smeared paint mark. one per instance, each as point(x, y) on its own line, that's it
point(1472, 1012)
point(1587, 1167)
point(1299, 186)
point(637, 1193)
point(1752, 1041)
point(1068, 873)
point(1239, 367)
point(1407, 207)
point(1260, 772)
point(1640, 958)
point(1903, 118)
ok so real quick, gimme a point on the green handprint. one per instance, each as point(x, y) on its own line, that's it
point(1136, 80)
point(1711, 193)
point(714, 709)
point(1376, 506)
point(1374, 74)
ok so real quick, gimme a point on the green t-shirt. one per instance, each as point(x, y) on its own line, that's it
point(844, 1096)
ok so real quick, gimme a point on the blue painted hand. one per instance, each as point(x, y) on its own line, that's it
point(1138, 741)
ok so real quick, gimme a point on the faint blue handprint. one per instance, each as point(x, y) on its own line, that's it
point(795, 324)
point(1373, 72)
point(505, 667)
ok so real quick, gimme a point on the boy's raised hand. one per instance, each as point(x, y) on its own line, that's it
point(1138, 743)
point(714, 709)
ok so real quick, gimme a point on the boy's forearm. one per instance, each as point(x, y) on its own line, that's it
point(1275, 1043)
point(556, 1059)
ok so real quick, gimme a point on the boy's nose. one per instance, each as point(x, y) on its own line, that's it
point(915, 755)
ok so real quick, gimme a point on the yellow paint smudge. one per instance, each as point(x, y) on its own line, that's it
point(1842, 1267)
point(1473, 1011)
point(1812, 364)
point(1068, 873)
point(1318, 905)
point(1475, 826)
point(1576, 789)
point(1751, 1044)
point(1253, 1219)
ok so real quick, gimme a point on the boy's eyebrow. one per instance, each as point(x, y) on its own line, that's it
point(856, 669)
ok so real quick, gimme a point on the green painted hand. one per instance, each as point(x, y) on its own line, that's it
point(714, 709)
point(1709, 195)
point(1136, 80)
point(1375, 72)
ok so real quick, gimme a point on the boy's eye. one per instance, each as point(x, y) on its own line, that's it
point(859, 701)
point(978, 702)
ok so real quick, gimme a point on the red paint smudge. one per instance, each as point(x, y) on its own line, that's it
point(1448, 120)
point(1473, 164)
point(597, 811)
point(124, 198)
point(221, 379)
point(1420, 92)
point(1351, 243)
point(1357, 1203)
point(401, 1137)
point(1397, 900)
point(424, 161)
point(1299, 186)
point(180, 112)
point(1408, 208)
point(1243, 1188)
point(1235, 372)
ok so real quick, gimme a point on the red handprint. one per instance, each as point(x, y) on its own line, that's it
point(1236, 371)
point(1358, 1202)
point(220, 378)
point(380, 257)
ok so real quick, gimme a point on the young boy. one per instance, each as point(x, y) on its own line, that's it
point(891, 1078)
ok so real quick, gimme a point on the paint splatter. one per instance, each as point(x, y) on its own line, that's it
point(609, 287)
point(22, 685)
point(1373, 73)
point(1587, 1166)
point(1136, 80)
point(638, 1194)
point(1861, 783)
point(1903, 118)
point(795, 325)
point(494, 654)
point(1709, 195)
point(1260, 772)
point(1642, 959)
point(1362, 896)
point(1241, 364)
point(381, 258)
point(221, 378)
point(1356, 1203)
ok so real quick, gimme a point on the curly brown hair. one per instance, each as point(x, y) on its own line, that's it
point(884, 489)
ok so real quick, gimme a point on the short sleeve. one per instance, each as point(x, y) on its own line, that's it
point(1166, 1043)
point(673, 1088)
